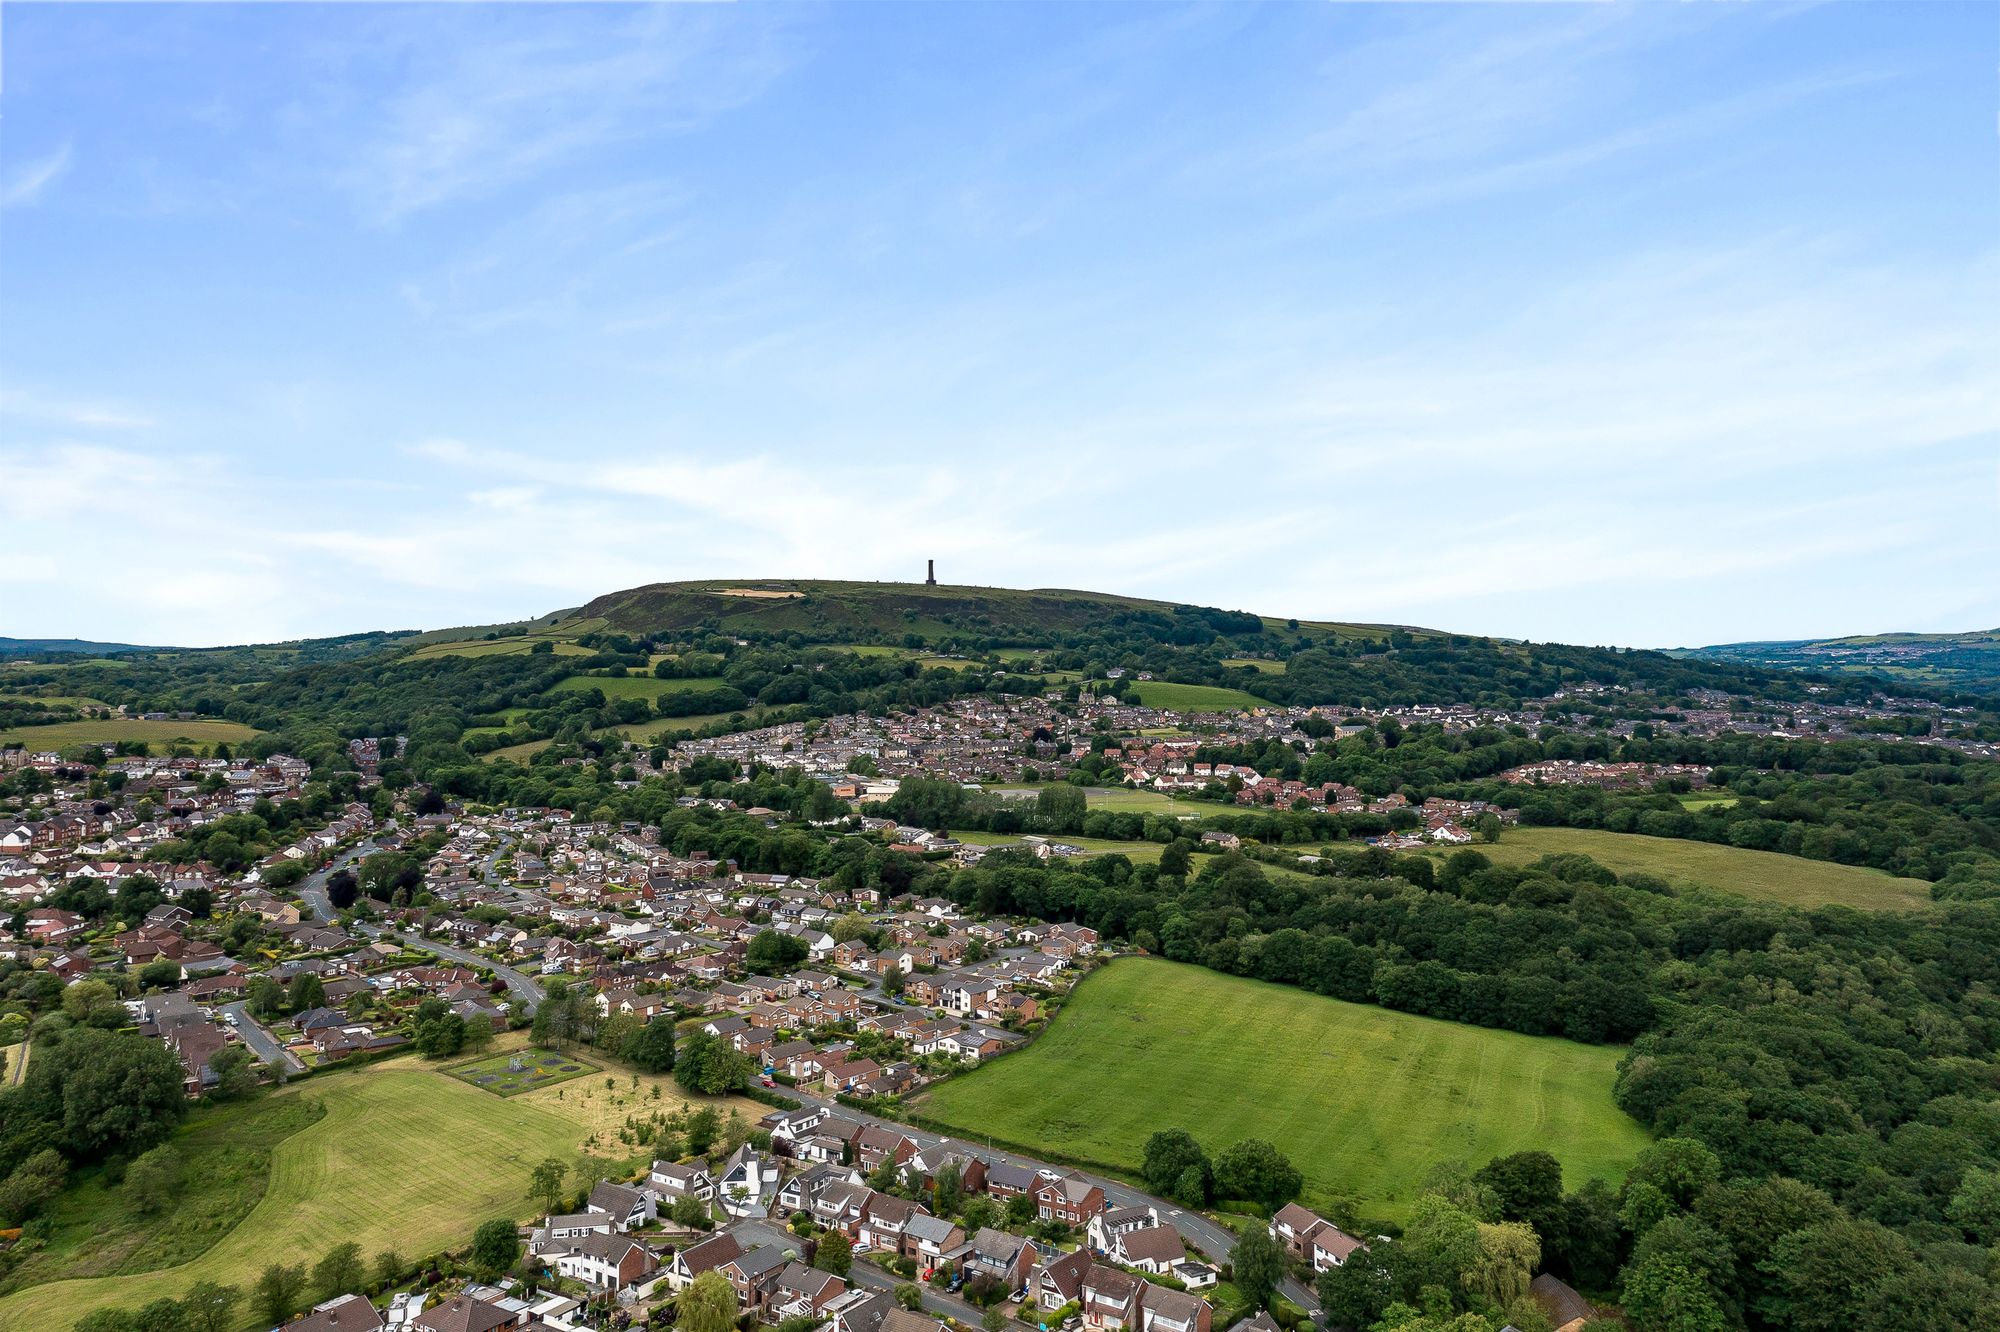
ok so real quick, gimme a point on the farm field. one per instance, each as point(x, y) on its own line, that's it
point(1257, 664)
point(201, 736)
point(635, 686)
point(499, 647)
point(1139, 853)
point(404, 1156)
point(1195, 698)
point(1792, 880)
point(641, 731)
point(1362, 1099)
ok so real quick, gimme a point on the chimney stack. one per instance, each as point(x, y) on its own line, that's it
point(930, 573)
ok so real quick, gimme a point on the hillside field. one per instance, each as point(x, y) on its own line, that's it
point(648, 687)
point(200, 736)
point(1362, 1099)
point(404, 1156)
point(1793, 880)
point(1195, 698)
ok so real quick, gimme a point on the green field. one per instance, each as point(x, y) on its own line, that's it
point(1363, 1100)
point(1792, 880)
point(643, 732)
point(1256, 664)
point(401, 1158)
point(1138, 853)
point(500, 647)
point(200, 736)
point(636, 686)
point(1195, 698)
point(1116, 798)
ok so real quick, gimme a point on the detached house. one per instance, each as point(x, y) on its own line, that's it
point(1070, 1198)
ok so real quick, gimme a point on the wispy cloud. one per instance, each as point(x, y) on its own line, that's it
point(475, 117)
point(21, 404)
point(26, 183)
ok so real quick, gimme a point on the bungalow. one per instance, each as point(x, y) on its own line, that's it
point(343, 1313)
point(461, 1313)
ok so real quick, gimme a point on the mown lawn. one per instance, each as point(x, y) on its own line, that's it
point(1792, 880)
point(1195, 698)
point(1362, 1099)
point(201, 736)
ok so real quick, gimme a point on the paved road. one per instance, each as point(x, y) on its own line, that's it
point(519, 984)
point(259, 1038)
point(1214, 1241)
point(313, 887)
point(865, 1273)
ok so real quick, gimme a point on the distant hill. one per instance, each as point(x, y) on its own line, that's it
point(827, 611)
point(28, 647)
point(1965, 661)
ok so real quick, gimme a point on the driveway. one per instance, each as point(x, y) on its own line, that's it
point(259, 1038)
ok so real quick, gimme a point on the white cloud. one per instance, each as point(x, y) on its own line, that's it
point(25, 184)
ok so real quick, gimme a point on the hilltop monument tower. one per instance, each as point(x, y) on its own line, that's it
point(930, 573)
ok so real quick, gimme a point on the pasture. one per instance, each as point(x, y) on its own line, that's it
point(648, 687)
point(394, 1155)
point(164, 736)
point(500, 647)
point(1195, 698)
point(1256, 664)
point(1139, 853)
point(1363, 1100)
point(1793, 880)
point(1116, 798)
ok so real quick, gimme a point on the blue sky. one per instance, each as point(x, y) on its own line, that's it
point(1647, 325)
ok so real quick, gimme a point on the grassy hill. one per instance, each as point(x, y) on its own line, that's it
point(1793, 880)
point(1966, 661)
point(824, 610)
point(1362, 1099)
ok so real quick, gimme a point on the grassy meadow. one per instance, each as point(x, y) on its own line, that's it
point(200, 736)
point(1362, 1099)
point(1195, 698)
point(398, 1155)
point(648, 687)
point(1769, 875)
